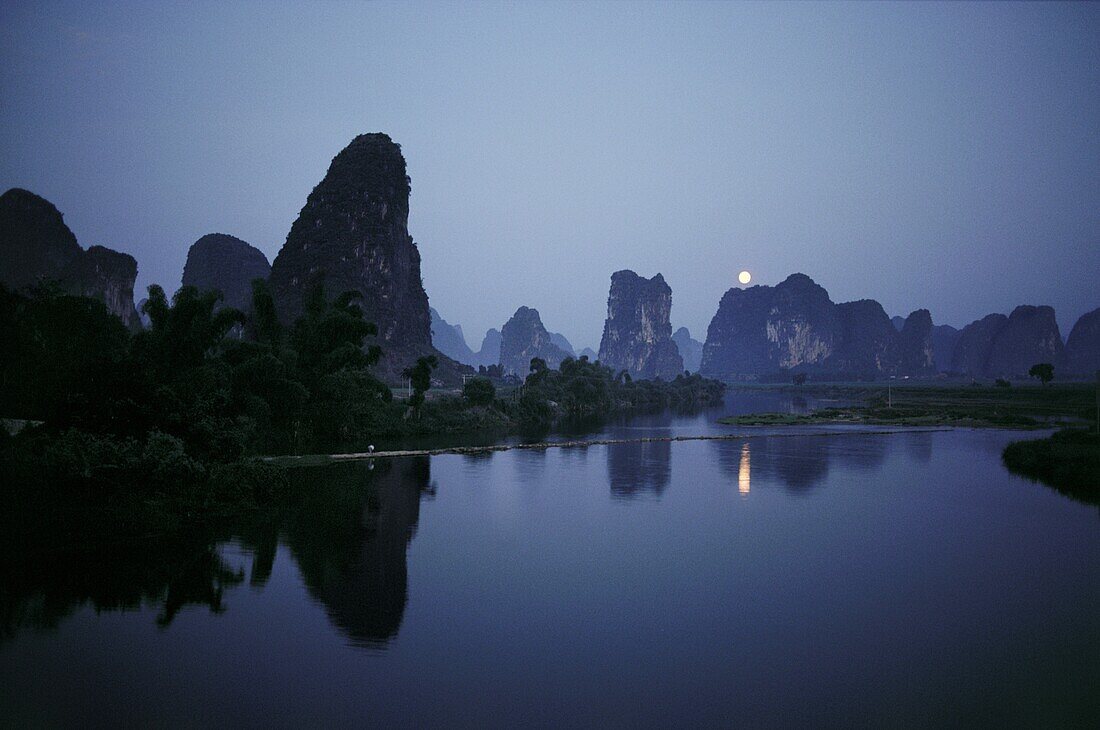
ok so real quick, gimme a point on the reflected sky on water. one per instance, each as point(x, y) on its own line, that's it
point(772, 580)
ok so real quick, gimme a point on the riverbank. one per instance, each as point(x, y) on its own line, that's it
point(1068, 461)
point(320, 459)
point(1019, 407)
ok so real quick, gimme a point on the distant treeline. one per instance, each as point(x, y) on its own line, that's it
point(174, 408)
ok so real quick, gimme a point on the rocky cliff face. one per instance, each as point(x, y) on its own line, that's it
point(35, 243)
point(105, 274)
point(524, 337)
point(559, 339)
point(915, 352)
point(764, 329)
point(1029, 336)
point(637, 335)
point(448, 339)
point(489, 354)
point(691, 350)
point(868, 344)
point(354, 230)
point(36, 247)
point(997, 346)
point(219, 262)
point(974, 343)
point(944, 337)
point(1083, 345)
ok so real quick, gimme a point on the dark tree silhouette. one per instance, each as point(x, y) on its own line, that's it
point(420, 377)
point(1044, 371)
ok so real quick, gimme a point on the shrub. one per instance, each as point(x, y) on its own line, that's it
point(479, 391)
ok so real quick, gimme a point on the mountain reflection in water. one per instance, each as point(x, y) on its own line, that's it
point(350, 533)
point(845, 578)
point(354, 562)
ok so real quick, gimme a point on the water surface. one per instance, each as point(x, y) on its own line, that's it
point(771, 580)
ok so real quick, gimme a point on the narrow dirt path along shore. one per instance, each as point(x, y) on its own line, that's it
point(315, 458)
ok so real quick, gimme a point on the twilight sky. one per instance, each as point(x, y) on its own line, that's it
point(939, 156)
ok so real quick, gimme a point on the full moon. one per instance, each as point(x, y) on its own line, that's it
point(744, 277)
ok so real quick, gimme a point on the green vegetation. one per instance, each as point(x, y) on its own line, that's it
point(581, 389)
point(479, 391)
point(420, 378)
point(1044, 371)
point(1068, 461)
point(157, 427)
point(924, 405)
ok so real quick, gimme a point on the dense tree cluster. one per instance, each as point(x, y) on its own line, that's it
point(171, 410)
point(182, 393)
point(580, 388)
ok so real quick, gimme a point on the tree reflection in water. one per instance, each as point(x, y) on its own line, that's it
point(43, 587)
point(348, 531)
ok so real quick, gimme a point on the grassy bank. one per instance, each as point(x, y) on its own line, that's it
point(1068, 461)
point(1020, 407)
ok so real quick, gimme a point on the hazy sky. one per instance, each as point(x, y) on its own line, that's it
point(940, 156)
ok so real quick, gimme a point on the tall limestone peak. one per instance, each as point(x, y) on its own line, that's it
point(524, 337)
point(35, 243)
point(37, 247)
point(353, 230)
point(867, 345)
point(1083, 345)
point(1029, 336)
point(220, 262)
point(944, 337)
point(997, 345)
point(108, 275)
point(637, 335)
point(764, 329)
point(489, 354)
point(974, 343)
point(915, 352)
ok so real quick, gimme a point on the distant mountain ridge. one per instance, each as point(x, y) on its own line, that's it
point(448, 339)
point(691, 350)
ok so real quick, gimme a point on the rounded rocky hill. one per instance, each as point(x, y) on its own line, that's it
point(224, 263)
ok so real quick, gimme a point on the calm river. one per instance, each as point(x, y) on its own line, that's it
point(773, 580)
